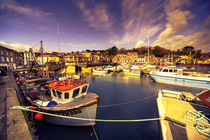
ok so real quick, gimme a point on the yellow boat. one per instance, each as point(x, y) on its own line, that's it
point(69, 69)
point(86, 69)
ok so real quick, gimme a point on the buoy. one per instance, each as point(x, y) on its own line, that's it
point(38, 116)
point(33, 108)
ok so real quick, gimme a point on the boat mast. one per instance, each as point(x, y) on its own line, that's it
point(148, 49)
point(41, 48)
point(59, 48)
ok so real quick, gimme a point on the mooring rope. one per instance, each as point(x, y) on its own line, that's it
point(84, 119)
point(92, 124)
point(111, 105)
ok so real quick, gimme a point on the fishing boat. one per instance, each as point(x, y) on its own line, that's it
point(181, 77)
point(134, 70)
point(99, 70)
point(114, 68)
point(86, 69)
point(65, 98)
point(184, 115)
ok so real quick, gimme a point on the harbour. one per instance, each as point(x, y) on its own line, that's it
point(116, 104)
point(104, 70)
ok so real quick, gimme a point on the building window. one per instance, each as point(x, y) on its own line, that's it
point(11, 59)
point(11, 53)
point(75, 93)
point(2, 59)
point(7, 59)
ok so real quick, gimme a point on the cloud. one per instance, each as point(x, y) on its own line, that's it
point(18, 46)
point(140, 43)
point(27, 11)
point(177, 20)
point(84, 46)
point(176, 17)
point(97, 17)
point(140, 20)
point(207, 22)
point(199, 40)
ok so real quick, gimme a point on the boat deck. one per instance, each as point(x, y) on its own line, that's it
point(174, 126)
point(89, 99)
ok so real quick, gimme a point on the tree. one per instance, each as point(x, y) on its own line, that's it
point(187, 49)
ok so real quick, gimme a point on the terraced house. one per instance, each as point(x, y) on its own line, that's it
point(10, 58)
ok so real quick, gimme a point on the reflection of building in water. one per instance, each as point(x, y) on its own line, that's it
point(10, 57)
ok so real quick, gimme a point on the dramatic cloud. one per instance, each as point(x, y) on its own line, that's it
point(140, 20)
point(83, 46)
point(18, 46)
point(29, 12)
point(97, 17)
point(199, 40)
point(178, 20)
point(140, 43)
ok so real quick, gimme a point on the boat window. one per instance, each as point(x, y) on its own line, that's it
point(54, 92)
point(75, 93)
point(59, 94)
point(84, 89)
point(175, 71)
point(170, 70)
point(165, 70)
point(66, 95)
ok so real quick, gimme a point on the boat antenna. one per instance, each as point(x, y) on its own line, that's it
point(41, 48)
point(58, 33)
point(59, 48)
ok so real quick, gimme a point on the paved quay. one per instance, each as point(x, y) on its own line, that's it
point(13, 125)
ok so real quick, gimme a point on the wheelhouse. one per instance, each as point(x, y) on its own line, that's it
point(169, 70)
point(68, 90)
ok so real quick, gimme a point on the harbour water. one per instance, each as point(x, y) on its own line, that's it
point(121, 98)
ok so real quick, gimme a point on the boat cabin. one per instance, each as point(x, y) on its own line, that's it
point(169, 69)
point(68, 90)
point(171, 94)
point(177, 95)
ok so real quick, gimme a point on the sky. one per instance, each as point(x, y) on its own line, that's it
point(77, 25)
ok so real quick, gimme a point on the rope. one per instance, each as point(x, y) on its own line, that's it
point(92, 124)
point(200, 119)
point(84, 119)
point(127, 102)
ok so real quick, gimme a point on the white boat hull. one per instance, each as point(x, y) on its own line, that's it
point(189, 81)
point(86, 112)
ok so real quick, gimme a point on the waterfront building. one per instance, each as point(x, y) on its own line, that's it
point(28, 57)
point(131, 57)
point(9, 57)
point(47, 58)
point(73, 59)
